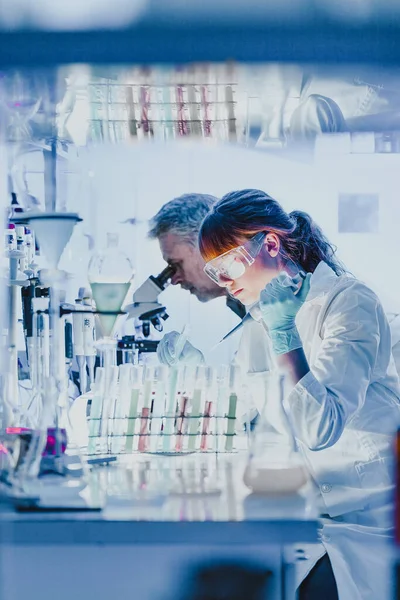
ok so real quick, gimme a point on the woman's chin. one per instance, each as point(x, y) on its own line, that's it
point(247, 299)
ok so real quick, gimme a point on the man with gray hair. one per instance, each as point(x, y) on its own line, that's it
point(176, 227)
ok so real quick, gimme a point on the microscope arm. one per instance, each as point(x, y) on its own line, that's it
point(145, 298)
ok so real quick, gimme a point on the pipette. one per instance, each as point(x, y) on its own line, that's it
point(246, 318)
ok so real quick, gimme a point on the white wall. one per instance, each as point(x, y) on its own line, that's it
point(115, 183)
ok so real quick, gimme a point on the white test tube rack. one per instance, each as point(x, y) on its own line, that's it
point(159, 411)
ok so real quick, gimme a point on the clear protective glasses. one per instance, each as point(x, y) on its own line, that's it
point(232, 264)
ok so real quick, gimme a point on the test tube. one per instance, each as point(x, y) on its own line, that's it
point(171, 407)
point(110, 392)
point(231, 416)
point(136, 380)
point(169, 130)
point(230, 108)
point(221, 403)
point(183, 406)
point(145, 414)
point(95, 410)
point(124, 389)
point(194, 111)
point(77, 322)
point(196, 407)
point(158, 409)
point(209, 401)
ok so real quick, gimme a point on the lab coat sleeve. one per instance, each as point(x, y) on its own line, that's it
point(353, 330)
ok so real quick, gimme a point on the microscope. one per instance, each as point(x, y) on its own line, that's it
point(148, 310)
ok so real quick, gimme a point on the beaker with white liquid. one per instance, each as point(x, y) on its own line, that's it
point(276, 465)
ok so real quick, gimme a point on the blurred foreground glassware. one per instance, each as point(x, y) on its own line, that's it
point(275, 464)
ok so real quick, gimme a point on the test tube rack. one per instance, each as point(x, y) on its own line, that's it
point(201, 419)
point(162, 110)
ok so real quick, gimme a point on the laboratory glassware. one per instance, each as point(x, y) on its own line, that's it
point(53, 231)
point(275, 463)
point(110, 275)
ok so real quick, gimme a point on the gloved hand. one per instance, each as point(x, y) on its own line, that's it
point(167, 355)
point(279, 304)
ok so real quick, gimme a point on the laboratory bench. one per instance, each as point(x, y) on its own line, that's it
point(164, 517)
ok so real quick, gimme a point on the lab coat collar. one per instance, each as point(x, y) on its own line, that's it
point(320, 282)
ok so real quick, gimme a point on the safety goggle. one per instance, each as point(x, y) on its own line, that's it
point(232, 264)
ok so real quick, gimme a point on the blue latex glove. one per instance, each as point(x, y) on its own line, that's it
point(280, 301)
point(167, 355)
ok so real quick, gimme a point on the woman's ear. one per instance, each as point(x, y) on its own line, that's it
point(273, 244)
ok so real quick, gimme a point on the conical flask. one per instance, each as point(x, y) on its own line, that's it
point(110, 275)
point(275, 463)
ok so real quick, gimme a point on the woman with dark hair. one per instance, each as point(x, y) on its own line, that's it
point(329, 335)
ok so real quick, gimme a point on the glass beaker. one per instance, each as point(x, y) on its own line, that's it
point(275, 464)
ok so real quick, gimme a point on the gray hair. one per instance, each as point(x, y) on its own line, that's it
point(182, 216)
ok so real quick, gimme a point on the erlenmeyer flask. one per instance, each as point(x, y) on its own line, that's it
point(275, 464)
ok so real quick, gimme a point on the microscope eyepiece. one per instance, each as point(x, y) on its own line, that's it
point(164, 276)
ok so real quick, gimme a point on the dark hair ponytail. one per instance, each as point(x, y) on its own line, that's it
point(308, 245)
point(244, 213)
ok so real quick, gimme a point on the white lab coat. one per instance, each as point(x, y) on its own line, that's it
point(394, 322)
point(345, 412)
